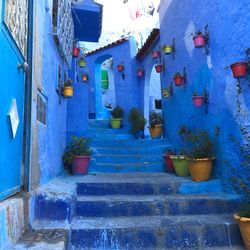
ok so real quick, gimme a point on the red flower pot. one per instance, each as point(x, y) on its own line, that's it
point(139, 72)
point(178, 80)
point(239, 69)
point(80, 164)
point(198, 101)
point(120, 68)
point(159, 68)
point(76, 52)
point(155, 54)
point(199, 41)
point(169, 163)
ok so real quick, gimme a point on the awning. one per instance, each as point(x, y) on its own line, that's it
point(87, 17)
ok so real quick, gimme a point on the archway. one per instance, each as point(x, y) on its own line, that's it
point(152, 95)
point(104, 87)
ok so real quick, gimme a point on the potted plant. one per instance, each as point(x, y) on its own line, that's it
point(81, 62)
point(167, 49)
point(140, 72)
point(138, 123)
point(116, 120)
point(168, 161)
point(178, 79)
point(200, 155)
point(156, 124)
point(68, 89)
point(198, 100)
point(75, 51)
point(155, 54)
point(84, 77)
point(120, 67)
point(77, 155)
point(181, 163)
point(239, 69)
point(158, 68)
point(198, 39)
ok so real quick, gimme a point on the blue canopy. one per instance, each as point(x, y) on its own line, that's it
point(87, 17)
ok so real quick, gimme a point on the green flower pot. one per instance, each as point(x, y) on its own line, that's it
point(116, 122)
point(181, 164)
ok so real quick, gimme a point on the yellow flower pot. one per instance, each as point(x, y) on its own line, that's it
point(82, 63)
point(68, 91)
point(200, 169)
point(168, 49)
point(156, 131)
point(116, 122)
point(244, 225)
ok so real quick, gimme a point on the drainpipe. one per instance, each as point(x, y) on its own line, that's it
point(28, 102)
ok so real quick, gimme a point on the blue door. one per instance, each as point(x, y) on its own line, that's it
point(12, 87)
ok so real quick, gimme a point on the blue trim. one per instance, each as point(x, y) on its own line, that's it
point(8, 193)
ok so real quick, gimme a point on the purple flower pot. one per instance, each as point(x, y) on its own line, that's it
point(80, 164)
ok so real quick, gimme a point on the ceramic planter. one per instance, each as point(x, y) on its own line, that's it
point(82, 63)
point(200, 169)
point(199, 41)
point(244, 225)
point(180, 164)
point(155, 54)
point(239, 69)
point(140, 72)
point(115, 123)
point(168, 49)
point(80, 164)
point(120, 67)
point(159, 68)
point(169, 163)
point(166, 93)
point(76, 52)
point(68, 91)
point(156, 131)
point(178, 80)
point(198, 100)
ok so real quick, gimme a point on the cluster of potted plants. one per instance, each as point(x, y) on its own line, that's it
point(138, 123)
point(68, 89)
point(155, 124)
point(116, 120)
point(77, 155)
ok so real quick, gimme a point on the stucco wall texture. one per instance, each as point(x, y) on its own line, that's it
point(228, 23)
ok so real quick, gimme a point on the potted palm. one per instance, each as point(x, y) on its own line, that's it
point(116, 120)
point(138, 123)
point(68, 89)
point(77, 155)
point(155, 124)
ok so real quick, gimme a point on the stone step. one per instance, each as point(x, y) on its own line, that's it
point(110, 131)
point(128, 143)
point(162, 232)
point(99, 124)
point(168, 184)
point(120, 159)
point(131, 150)
point(127, 167)
point(112, 136)
point(121, 205)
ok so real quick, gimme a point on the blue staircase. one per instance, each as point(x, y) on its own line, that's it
point(129, 202)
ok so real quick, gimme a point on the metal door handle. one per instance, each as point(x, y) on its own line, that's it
point(24, 67)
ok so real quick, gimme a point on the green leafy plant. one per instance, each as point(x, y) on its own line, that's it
point(178, 74)
point(117, 112)
point(155, 118)
point(76, 147)
point(137, 120)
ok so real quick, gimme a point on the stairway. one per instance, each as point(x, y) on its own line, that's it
point(127, 201)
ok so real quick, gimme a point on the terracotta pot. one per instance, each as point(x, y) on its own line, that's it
point(198, 100)
point(178, 80)
point(244, 225)
point(80, 164)
point(168, 49)
point(239, 69)
point(180, 165)
point(155, 54)
point(76, 52)
point(159, 68)
point(156, 131)
point(68, 91)
point(199, 41)
point(115, 123)
point(84, 78)
point(139, 72)
point(200, 169)
point(120, 68)
point(169, 163)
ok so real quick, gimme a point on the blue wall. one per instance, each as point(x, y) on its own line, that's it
point(228, 23)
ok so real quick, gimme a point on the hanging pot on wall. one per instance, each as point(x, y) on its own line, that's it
point(198, 100)
point(76, 52)
point(84, 77)
point(159, 68)
point(167, 49)
point(140, 72)
point(68, 91)
point(120, 67)
point(239, 69)
point(178, 79)
point(199, 40)
point(155, 54)
point(82, 63)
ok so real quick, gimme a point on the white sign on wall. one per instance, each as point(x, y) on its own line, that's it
point(13, 117)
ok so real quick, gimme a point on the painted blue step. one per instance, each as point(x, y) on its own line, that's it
point(153, 167)
point(184, 232)
point(119, 159)
point(102, 131)
point(112, 137)
point(103, 206)
point(99, 124)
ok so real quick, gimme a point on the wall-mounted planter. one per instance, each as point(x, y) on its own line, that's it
point(84, 78)
point(81, 63)
point(120, 67)
point(199, 41)
point(140, 72)
point(178, 79)
point(155, 54)
point(76, 52)
point(239, 69)
point(68, 91)
point(167, 49)
point(198, 101)
point(159, 68)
